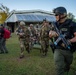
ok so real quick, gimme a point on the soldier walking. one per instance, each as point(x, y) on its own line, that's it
point(24, 38)
point(44, 37)
point(63, 56)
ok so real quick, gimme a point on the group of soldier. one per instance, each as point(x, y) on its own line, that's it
point(28, 36)
point(63, 57)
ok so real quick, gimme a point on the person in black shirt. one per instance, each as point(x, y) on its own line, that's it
point(63, 57)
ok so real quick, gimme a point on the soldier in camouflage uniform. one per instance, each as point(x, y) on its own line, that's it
point(32, 35)
point(44, 37)
point(24, 37)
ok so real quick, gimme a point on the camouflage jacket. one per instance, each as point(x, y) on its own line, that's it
point(25, 31)
point(44, 32)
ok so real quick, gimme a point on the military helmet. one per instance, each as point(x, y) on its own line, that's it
point(31, 25)
point(22, 23)
point(60, 11)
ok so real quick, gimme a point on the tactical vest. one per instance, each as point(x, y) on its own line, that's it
point(67, 29)
point(25, 31)
point(44, 32)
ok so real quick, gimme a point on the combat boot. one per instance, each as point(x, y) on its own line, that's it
point(22, 56)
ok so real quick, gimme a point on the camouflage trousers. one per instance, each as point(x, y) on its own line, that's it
point(44, 46)
point(63, 59)
point(24, 44)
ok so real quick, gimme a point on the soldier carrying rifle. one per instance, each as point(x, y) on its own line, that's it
point(65, 40)
point(44, 37)
point(24, 37)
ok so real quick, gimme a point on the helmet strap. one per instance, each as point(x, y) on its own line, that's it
point(60, 18)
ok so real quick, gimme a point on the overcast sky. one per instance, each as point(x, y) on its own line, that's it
point(47, 5)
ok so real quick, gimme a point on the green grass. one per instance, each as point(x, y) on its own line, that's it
point(31, 64)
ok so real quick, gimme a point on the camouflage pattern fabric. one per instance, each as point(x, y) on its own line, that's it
point(44, 37)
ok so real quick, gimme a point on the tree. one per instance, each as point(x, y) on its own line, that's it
point(71, 16)
point(4, 12)
point(4, 9)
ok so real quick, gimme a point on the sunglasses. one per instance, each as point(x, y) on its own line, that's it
point(56, 14)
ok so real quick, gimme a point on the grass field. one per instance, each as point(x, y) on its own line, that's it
point(31, 64)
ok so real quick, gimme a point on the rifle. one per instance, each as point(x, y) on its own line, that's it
point(61, 37)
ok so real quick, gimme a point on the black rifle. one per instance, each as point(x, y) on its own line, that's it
point(61, 37)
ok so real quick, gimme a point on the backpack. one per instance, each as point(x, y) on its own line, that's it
point(6, 33)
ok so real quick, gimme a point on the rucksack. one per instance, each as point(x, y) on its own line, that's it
point(6, 33)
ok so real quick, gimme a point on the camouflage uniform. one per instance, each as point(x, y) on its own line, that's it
point(44, 38)
point(24, 39)
point(32, 35)
point(37, 35)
